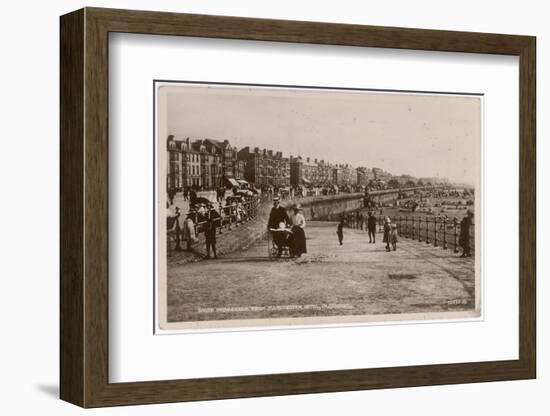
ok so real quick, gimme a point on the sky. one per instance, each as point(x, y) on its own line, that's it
point(423, 135)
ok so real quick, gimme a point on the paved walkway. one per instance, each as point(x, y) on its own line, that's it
point(358, 278)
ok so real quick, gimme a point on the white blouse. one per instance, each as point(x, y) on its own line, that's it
point(299, 220)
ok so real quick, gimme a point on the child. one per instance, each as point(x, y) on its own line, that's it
point(340, 231)
point(393, 236)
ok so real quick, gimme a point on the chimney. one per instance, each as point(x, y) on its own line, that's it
point(315, 160)
point(307, 159)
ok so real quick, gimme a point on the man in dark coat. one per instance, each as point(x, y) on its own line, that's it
point(340, 231)
point(192, 196)
point(276, 216)
point(371, 227)
point(210, 228)
point(464, 239)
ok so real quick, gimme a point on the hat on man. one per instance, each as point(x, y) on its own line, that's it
point(276, 199)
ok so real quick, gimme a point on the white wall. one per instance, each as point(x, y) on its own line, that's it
point(29, 208)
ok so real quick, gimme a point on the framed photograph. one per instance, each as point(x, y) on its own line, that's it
point(255, 207)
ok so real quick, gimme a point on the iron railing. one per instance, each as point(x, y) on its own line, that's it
point(438, 231)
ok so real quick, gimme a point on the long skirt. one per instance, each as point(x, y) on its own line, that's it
point(298, 241)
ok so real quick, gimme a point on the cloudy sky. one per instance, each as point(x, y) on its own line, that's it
point(421, 135)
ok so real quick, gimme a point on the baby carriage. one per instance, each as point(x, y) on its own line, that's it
point(282, 235)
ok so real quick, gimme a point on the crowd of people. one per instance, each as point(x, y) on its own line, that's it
point(288, 232)
point(205, 216)
point(390, 230)
point(370, 223)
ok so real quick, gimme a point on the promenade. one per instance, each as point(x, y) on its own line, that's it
point(358, 278)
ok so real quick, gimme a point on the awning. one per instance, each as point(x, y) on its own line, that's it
point(242, 181)
point(232, 182)
point(307, 182)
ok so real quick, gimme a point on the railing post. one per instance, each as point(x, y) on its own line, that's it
point(419, 229)
point(178, 238)
point(435, 231)
point(398, 223)
point(412, 228)
point(406, 226)
point(472, 237)
point(455, 237)
point(220, 207)
point(444, 234)
point(229, 210)
point(427, 230)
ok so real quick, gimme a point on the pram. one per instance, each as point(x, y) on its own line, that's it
point(272, 249)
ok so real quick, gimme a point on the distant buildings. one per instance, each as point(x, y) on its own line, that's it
point(320, 173)
point(197, 163)
point(210, 163)
point(434, 180)
point(174, 165)
point(309, 172)
point(406, 180)
point(344, 175)
point(264, 167)
point(381, 175)
point(364, 175)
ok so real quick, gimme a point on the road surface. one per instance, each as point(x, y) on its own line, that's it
point(356, 278)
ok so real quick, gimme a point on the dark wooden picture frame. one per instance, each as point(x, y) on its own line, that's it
point(84, 207)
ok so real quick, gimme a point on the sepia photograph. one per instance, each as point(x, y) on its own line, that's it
point(285, 206)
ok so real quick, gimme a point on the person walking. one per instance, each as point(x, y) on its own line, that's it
point(173, 229)
point(371, 227)
point(387, 232)
point(393, 236)
point(210, 229)
point(298, 236)
point(171, 194)
point(464, 240)
point(340, 231)
point(188, 231)
point(192, 196)
point(278, 215)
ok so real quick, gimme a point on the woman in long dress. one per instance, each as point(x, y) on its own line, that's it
point(298, 236)
point(387, 233)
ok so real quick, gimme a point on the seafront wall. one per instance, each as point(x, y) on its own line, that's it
point(328, 208)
